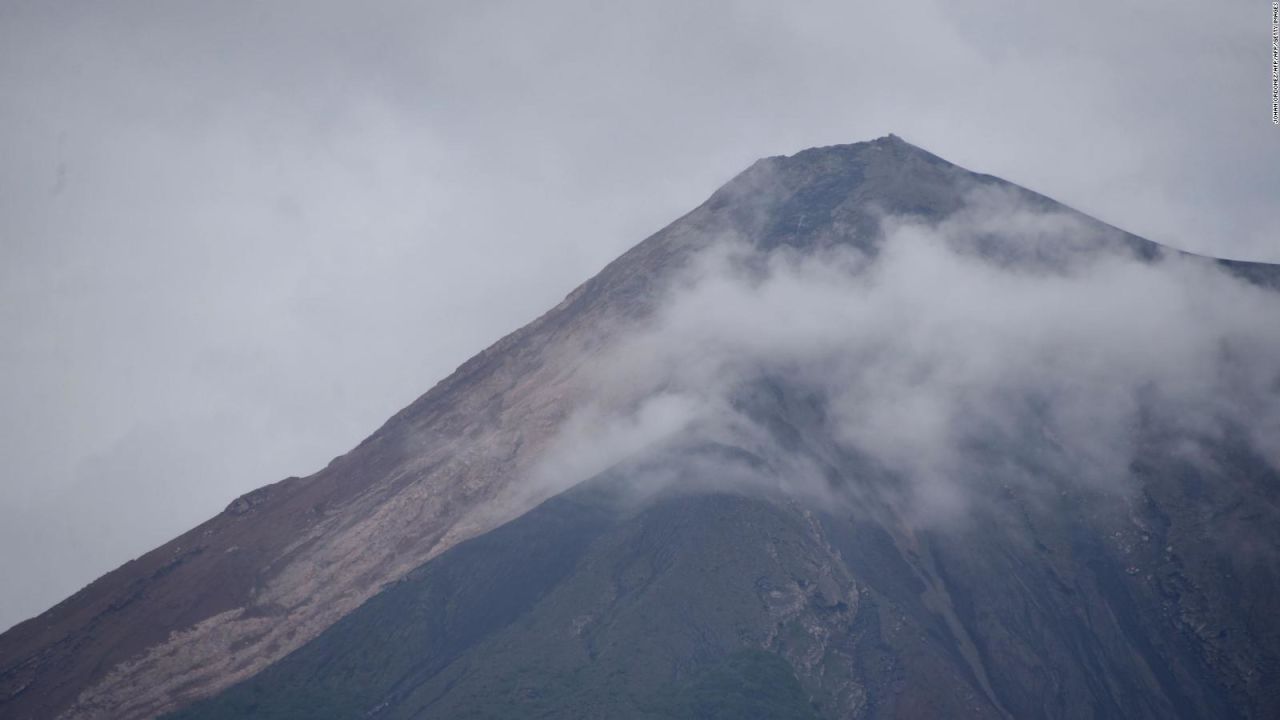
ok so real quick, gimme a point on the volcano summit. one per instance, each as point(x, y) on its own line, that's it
point(864, 435)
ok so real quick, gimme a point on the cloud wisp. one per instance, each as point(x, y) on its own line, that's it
point(1007, 344)
point(234, 238)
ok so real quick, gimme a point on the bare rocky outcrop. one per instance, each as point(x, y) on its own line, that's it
point(282, 564)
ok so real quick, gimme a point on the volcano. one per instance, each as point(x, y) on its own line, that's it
point(864, 435)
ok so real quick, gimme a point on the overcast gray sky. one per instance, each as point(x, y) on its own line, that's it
point(236, 236)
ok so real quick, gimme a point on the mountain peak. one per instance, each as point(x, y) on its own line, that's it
point(890, 142)
point(233, 597)
point(841, 193)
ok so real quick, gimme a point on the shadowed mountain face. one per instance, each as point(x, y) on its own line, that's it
point(593, 605)
point(863, 435)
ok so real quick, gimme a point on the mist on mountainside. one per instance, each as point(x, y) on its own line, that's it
point(865, 434)
point(1010, 328)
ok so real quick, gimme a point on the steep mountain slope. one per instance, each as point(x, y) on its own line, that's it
point(597, 604)
point(1037, 612)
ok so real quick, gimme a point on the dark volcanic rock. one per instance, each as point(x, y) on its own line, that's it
point(417, 576)
point(597, 604)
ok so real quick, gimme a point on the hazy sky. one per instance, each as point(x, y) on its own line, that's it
point(236, 236)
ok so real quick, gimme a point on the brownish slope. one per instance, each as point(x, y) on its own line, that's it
point(283, 563)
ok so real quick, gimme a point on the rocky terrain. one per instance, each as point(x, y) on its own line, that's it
point(466, 560)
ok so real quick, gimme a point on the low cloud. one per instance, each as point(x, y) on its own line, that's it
point(1007, 344)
